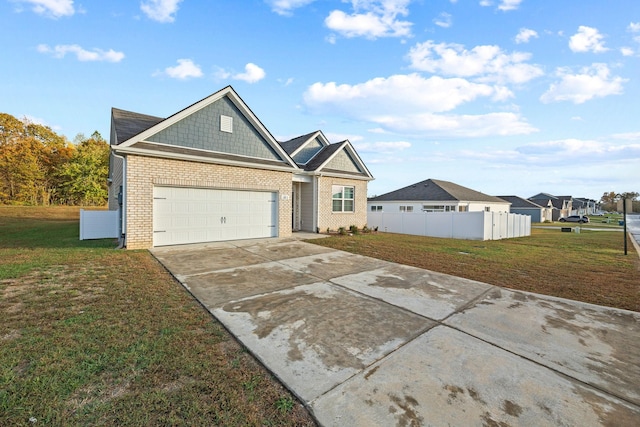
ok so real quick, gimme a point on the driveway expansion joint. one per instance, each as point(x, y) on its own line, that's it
point(353, 336)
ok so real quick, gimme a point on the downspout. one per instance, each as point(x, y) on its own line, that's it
point(316, 201)
point(123, 212)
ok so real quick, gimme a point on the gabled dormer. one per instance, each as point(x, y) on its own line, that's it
point(303, 148)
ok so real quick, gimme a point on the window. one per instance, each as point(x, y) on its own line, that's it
point(376, 208)
point(487, 209)
point(406, 208)
point(342, 198)
point(463, 208)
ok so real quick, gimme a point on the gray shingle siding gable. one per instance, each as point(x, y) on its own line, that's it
point(309, 150)
point(201, 130)
point(343, 162)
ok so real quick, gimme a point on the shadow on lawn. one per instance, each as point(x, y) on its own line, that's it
point(21, 233)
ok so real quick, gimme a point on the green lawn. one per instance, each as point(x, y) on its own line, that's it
point(96, 336)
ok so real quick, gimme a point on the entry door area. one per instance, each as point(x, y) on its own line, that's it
point(196, 215)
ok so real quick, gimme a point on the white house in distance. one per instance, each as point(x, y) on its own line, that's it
point(433, 195)
point(443, 209)
point(527, 207)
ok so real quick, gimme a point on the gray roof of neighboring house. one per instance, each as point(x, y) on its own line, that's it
point(293, 144)
point(520, 203)
point(541, 196)
point(556, 201)
point(128, 124)
point(437, 190)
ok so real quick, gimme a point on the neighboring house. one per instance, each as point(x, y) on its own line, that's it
point(443, 209)
point(434, 195)
point(213, 172)
point(562, 205)
point(584, 206)
point(527, 207)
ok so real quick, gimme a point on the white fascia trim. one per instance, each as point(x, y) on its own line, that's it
point(203, 151)
point(354, 155)
point(172, 156)
point(235, 98)
point(345, 176)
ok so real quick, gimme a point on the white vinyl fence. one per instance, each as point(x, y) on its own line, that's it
point(453, 225)
point(99, 224)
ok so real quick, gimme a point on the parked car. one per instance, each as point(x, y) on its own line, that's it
point(575, 218)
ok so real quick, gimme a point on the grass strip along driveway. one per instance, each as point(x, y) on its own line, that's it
point(94, 336)
point(589, 266)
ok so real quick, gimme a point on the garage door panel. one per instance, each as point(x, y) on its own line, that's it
point(193, 215)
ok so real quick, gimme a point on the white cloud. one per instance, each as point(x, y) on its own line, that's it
point(286, 7)
point(408, 104)
point(591, 82)
point(382, 147)
point(372, 19)
point(51, 8)
point(400, 93)
point(584, 151)
point(486, 63)
point(506, 5)
point(443, 20)
point(587, 39)
point(252, 74)
point(59, 51)
point(555, 153)
point(630, 136)
point(185, 69)
point(525, 35)
point(634, 27)
point(627, 51)
point(460, 126)
point(160, 10)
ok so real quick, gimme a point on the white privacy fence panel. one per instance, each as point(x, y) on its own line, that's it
point(455, 225)
point(99, 224)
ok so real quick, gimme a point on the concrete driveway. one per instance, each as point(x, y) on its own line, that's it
point(366, 342)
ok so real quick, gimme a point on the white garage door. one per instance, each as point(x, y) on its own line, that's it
point(195, 215)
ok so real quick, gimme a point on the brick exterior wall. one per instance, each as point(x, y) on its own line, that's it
point(145, 172)
point(334, 220)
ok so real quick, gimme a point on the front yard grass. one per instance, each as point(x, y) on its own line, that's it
point(95, 336)
point(589, 266)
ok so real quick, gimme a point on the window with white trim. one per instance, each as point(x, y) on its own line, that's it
point(376, 208)
point(343, 198)
point(406, 208)
point(438, 208)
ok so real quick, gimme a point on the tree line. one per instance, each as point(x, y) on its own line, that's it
point(40, 167)
point(609, 200)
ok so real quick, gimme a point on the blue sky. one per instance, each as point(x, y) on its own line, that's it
point(508, 97)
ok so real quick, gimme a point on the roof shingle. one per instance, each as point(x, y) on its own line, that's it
point(436, 190)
